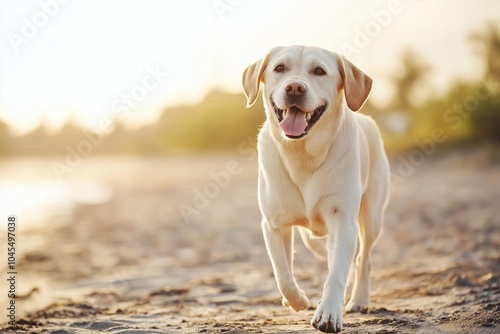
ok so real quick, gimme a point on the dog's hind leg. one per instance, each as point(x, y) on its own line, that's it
point(316, 245)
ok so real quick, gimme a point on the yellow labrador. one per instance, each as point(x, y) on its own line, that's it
point(323, 168)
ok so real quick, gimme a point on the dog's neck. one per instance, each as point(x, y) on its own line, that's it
point(310, 152)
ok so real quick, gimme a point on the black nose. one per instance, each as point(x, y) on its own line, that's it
point(295, 89)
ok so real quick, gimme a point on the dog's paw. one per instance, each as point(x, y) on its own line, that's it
point(328, 319)
point(357, 306)
point(301, 302)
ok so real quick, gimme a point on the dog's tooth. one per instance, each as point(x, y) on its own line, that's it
point(308, 116)
point(284, 113)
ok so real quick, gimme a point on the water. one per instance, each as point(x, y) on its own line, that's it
point(30, 189)
point(39, 202)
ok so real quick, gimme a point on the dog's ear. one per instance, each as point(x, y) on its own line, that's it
point(252, 77)
point(357, 84)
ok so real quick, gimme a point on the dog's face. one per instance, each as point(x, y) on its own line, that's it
point(302, 85)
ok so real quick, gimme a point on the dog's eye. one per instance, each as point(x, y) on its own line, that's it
point(279, 68)
point(319, 71)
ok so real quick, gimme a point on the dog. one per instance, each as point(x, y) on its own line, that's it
point(322, 168)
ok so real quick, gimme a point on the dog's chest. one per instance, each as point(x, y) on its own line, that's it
point(296, 187)
point(297, 209)
point(288, 199)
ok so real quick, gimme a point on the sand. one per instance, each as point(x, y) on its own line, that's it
point(130, 263)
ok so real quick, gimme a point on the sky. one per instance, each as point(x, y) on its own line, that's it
point(91, 60)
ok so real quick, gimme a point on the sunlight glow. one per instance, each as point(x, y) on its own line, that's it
point(88, 53)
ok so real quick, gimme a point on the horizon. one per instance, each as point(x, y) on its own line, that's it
point(115, 119)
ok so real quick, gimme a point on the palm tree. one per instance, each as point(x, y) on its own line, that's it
point(487, 42)
point(413, 73)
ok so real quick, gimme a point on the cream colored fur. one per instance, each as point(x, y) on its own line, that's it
point(333, 183)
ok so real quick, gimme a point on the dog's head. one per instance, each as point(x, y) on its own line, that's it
point(302, 85)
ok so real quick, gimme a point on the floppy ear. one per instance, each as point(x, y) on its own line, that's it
point(357, 84)
point(252, 77)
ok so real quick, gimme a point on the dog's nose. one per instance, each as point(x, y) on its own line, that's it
point(295, 89)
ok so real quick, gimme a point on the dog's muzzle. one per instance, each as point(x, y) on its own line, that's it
point(296, 122)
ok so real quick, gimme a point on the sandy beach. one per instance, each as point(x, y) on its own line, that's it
point(107, 249)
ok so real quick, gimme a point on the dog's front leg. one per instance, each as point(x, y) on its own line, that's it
point(342, 236)
point(280, 250)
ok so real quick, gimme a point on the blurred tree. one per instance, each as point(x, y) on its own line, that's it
point(412, 75)
point(486, 118)
point(218, 122)
point(487, 44)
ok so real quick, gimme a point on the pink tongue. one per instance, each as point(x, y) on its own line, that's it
point(294, 122)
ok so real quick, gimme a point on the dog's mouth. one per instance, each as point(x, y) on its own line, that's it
point(296, 122)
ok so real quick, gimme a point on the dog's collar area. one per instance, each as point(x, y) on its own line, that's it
point(316, 115)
